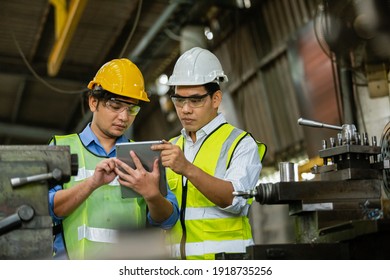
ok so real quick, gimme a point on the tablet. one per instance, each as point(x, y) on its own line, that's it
point(147, 156)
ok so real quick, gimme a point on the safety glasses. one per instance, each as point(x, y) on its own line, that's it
point(194, 101)
point(118, 106)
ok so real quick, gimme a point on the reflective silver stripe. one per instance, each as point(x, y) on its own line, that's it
point(198, 213)
point(97, 234)
point(86, 173)
point(317, 206)
point(220, 169)
point(114, 182)
point(83, 174)
point(174, 141)
point(210, 247)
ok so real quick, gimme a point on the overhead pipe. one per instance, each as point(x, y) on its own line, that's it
point(153, 30)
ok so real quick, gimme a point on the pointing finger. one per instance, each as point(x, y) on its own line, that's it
point(136, 161)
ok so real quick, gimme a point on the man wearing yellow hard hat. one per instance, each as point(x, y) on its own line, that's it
point(89, 209)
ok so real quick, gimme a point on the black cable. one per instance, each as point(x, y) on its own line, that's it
point(317, 26)
point(133, 29)
point(39, 78)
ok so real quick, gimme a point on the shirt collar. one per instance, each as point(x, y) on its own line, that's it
point(208, 128)
point(89, 138)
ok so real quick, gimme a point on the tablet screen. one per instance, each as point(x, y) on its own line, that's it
point(147, 156)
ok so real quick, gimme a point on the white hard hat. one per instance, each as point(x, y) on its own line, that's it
point(197, 66)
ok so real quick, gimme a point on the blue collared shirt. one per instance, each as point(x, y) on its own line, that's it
point(91, 142)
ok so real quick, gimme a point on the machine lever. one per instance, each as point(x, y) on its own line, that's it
point(55, 174)
point(306, 122)
point(23, 214)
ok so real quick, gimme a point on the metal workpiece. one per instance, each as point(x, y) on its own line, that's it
point(26, 174)
point(288, 172)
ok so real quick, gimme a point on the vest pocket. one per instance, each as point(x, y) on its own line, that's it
point(222, 229)
point(173, 183)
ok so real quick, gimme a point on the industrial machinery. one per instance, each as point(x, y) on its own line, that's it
point(26, 173)
point(343, 213)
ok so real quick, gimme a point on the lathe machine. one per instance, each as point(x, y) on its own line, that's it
point(344, 212)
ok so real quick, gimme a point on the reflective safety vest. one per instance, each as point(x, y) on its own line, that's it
point(90, 230)
point(204, 229)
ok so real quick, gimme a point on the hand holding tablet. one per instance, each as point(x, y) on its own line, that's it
point(147, 157)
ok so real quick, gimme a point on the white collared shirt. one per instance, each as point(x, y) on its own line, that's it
point(245, 167)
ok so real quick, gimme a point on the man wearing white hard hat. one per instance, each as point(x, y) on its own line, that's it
point(208, 162)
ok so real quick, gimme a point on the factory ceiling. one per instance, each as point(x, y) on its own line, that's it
point(51, 49)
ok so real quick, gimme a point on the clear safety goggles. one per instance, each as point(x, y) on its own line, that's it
point(194, 101)
point(118, 106)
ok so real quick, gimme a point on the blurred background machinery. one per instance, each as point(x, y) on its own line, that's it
point(343, 213)
point(26, 173)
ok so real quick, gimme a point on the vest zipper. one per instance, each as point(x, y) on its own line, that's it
point(182, 222)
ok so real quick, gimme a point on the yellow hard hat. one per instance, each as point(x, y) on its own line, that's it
point(121, 77)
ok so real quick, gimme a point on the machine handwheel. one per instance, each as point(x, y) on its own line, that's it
point(385, 153)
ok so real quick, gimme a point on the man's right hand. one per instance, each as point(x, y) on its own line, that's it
point(104, 173)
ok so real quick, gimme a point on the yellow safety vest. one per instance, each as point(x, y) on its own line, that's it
point(92, 228)
point(204, 229)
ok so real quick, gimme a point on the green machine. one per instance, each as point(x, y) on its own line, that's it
point(26, 174)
